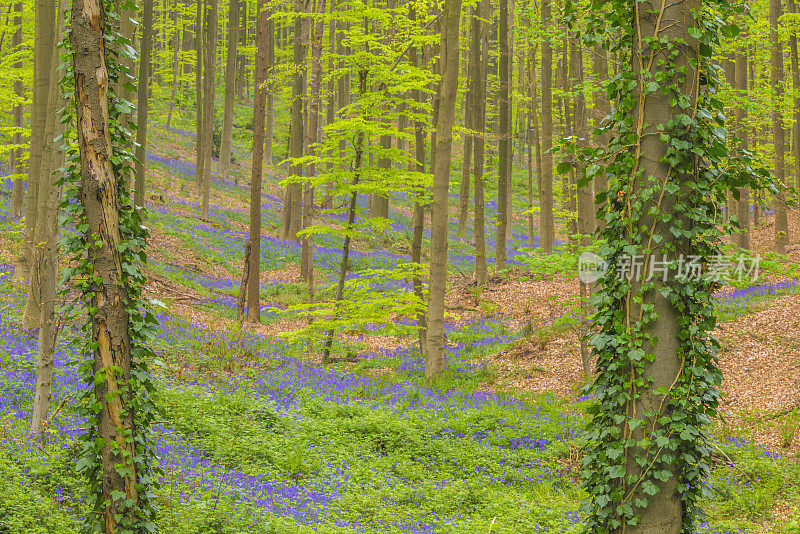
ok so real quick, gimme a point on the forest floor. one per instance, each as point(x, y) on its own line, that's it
point(258, 436)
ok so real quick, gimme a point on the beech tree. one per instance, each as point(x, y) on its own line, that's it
point(449, 50)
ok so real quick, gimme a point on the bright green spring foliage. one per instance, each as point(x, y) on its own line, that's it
point(379, 40)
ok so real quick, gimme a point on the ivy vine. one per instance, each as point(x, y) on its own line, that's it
point(640, 431)
point(80, 281)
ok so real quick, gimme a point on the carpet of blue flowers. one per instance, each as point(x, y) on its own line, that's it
point(257, 439)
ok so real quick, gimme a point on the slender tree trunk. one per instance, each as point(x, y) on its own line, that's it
point(230, 92)
point(351, 214)
point(176, 65)
point(778, 139)
point(141, 107)
point(263, 38)
point(533, 124)
point(602, 108)
point(19, 90)
point(100, 197)
point(504, 137)
point(269, 114)
point(208, 100)
point(547, 222)
point(314, 103)
point(198, 91)
point(449, 57)
point(466, 162)
point(743, 132)
point(795, 106)
point(480, 57)
point(293, 205)
point(44, 43)
point(46, 257)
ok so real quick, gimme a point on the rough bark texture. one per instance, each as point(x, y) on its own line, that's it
point(99, 195)
point(449, 56)
point(547, 232)
point(230, 92)
point(263, 39)
point(142, 101)
point(778, 134)
point(268, 124)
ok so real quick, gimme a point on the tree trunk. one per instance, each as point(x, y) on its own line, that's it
point(198, 91)
point(209, 91)
point(269, 113)
point(19, 90)
point(46, 257)
point(795, 106)
point(141, 107)
point(547, 237)
point(307, 259)
point(448, 89)
point(230, 93)
point(479, 47)
point(743, 132)
point(293, 205)
point(263, 39)
point(44, 43)
point(778, 140)
point(176, 65)
point(100, 197)
point(602, 108)
point(664, 512)
point(504, 137)
point(466, 162)
point(351, 214)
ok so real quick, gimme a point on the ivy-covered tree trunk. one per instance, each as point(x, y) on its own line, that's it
point(142, 101)
point(448, 89)
point(657, 377)
point(263, 39)
point(547, 221)
point(778, 133)
point(99, 186)
point(230, 92)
